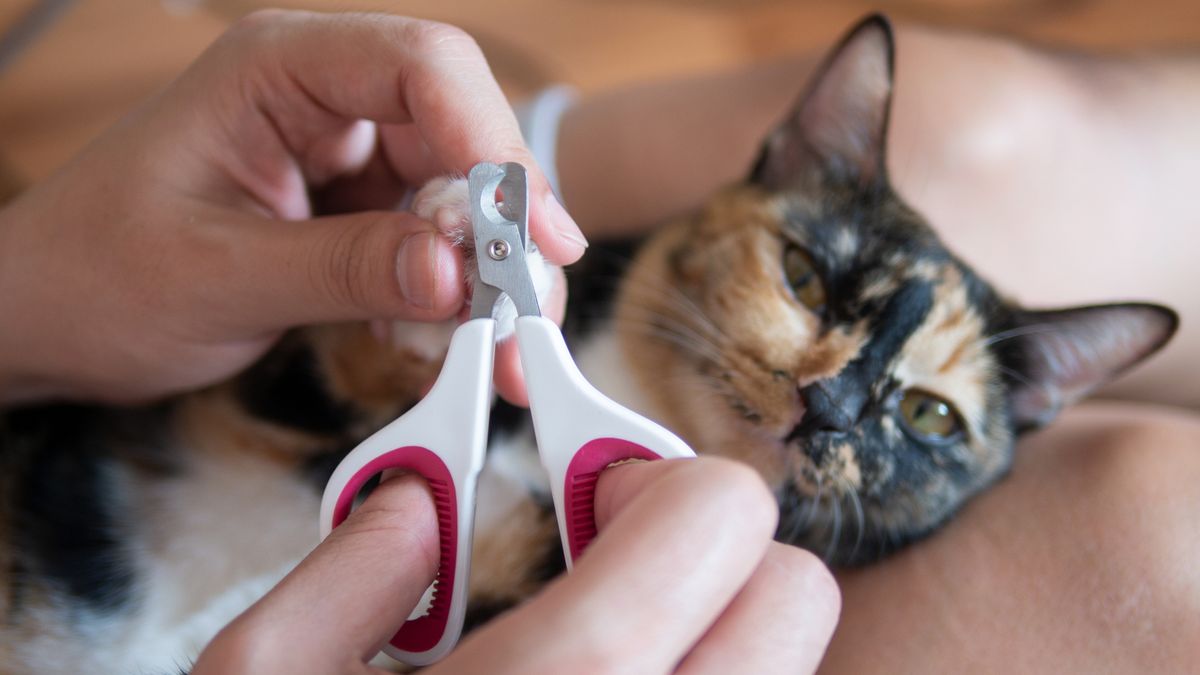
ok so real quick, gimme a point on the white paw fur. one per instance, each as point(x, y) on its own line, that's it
point(445, 202)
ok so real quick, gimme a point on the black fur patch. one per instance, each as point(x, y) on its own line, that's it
point(837, 403)
point(66, 525)
point(592, 285)
point(507, 419)
point(286, 388)
point(551, 562)
point(483, 610)
point(319, 468)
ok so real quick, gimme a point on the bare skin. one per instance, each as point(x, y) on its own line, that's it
point(1064, 179)
point(736, 610)
point(1083, 560)
point(183, 240)
point(190, 236)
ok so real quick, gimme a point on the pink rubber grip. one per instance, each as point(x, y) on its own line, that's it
point(418, 635)
point(579, 491)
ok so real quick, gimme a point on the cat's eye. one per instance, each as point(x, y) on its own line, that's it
point(801, 275)
point(929, 417)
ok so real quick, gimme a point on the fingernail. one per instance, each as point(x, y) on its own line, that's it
point(564, 224)
point(417, 269)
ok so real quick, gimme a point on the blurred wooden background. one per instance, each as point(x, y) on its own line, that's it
point(102, 56)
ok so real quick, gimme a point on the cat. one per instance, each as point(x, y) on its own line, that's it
point(806, 321)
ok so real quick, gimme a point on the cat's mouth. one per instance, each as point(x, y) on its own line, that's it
point(798, 431)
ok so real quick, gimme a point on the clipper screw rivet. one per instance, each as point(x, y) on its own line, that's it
point(498, 249)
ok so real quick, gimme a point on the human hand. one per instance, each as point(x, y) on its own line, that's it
point(684, 577)
point(175, 249)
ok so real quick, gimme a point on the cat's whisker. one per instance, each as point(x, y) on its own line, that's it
point(701, 326)
point(889, 532)
point(805, 509)
point(860, 520)
point(686, 336)
point(814, 505)
point(1016, 375)
point(836, 531)
point(678, 300)
point(1020, 331)
point(668, 289)
point(666, 292)
point(676, 335)
point(699, 339)
point(677, 326)
point(1051, 395)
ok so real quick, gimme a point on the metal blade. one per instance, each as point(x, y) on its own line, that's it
point(501, 238)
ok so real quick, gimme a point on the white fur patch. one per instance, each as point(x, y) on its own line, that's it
point(445, 202)
point(207, 544)
point(211, 540)
point(599, 359)
point(427, 340)
point(512, 472)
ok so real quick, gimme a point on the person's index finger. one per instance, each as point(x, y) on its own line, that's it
point(351, 594)
point(464, 118)
point(392, 69)
point(352, 66)
point(388, 69)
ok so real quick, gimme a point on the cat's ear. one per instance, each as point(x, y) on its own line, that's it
point(839, 128)
point(1063, 355)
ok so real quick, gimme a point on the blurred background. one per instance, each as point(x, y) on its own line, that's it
point(70, 68)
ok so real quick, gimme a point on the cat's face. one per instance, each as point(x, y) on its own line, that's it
point(850, 365)
point(812, 324)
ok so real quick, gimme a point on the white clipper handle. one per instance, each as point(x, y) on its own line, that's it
point(444, 439)
point(580, 431)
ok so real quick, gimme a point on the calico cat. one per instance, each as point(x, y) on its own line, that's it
point(806, 321)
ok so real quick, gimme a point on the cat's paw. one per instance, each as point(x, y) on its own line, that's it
point(445, 202)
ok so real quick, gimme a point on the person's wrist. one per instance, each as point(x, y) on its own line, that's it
point(22, 379)
point(10, 323)
point(17, 387)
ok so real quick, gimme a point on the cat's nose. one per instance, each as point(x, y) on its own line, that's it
point(829, 407)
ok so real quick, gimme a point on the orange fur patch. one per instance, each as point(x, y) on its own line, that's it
point(708, 320)
point(375, 375)
point(947, 356)
point(503, 557)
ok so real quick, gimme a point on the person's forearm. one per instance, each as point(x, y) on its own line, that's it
point(14, 384)
point(1065, 178)
point(29, 323)
point(635, 156)
point(631, 157)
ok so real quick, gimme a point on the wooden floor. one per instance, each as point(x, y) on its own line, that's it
point(102, 56)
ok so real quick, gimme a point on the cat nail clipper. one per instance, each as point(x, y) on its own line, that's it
point(443, 438)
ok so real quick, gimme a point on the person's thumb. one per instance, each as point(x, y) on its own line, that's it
point(336, 609)
point(355, 266)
